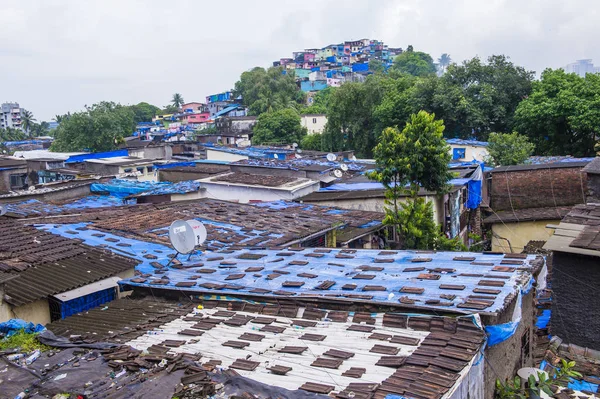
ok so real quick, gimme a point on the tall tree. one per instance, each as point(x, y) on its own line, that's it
point(444, 61)
point(268, 90)
point(408, 160)
point(509, 149)
point(100, 127)
point(320, 102)
point(475, 98)
point(12, 134)
point(27, 121)
point(562, 114)
point(414, 63)
point(279, 127)
point(376, 66)
point(177, 100)
point(350, 122)
point(144, 112)
point(60, 118)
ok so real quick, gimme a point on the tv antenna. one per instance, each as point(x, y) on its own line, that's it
point(331, 157)
point(185, 236)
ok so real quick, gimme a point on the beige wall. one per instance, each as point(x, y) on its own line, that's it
point(213, 155)
point(471, 152)
point(36, 312)
point(519, 234)
point(378, 205)
point(315, 124)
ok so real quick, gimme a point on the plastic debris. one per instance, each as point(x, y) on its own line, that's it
point(16, 356)
point(33, 357)
point(60, 377)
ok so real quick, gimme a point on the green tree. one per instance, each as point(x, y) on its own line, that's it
point(39, 129)
point(268, 90)
point(414, 63)
point(562, 114)
point(397, 101)
point(408, 160)
point(312, 142)
point(376, 66)
point(350, 121)
point(278, 127)
point(444, 61)
point(169, 109)
point(100, 127)
point(60, 118)
point(144, 112)
point(509, 149)
point(320, 102)
point(12, 134)
point(177, 100)
point(27, 121)
point(475, 98)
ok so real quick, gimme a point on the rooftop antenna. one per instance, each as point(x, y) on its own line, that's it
point(344, 167)
point(185, 236)
point(338, 173)
point(331, 157)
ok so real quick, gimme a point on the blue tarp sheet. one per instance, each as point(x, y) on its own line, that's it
point(124, 188)
point(543, 319)
point(14, 326)
point(97, 155)
point(580, 385)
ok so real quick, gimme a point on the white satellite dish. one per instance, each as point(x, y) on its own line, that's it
point(3, 210)
point(298, 150)
point(338, 173)
point(331, 157)
point(186, 235)
point(31, 188)
point(353, 158)
point(298, 156)
point(294, 145)
point(344, 167)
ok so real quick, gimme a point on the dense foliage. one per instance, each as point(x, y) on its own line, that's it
point(408, 160)
point(509, 149)
point(100, 127)
point(268, 90)
point(562, 114)
point(144, 112)
point(279, 127)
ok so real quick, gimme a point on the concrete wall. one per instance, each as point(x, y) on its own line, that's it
point(177, 176)
point(245, 194)
point(5, 178)
point(519, 234)
point(505, 358)
point(315, 124)
point(471, 152)
point(158, 152)
point(537, 188)
point(378, 205)
point(593, 188)
point(575, 281)
point(35, 312)
point(213, 155)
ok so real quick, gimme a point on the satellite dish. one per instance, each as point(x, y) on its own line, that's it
point(186, 235)
point(31, 188)
point(298, 156)
point(294, 145)
point(331, 157)
point(353, 158)
point(338, 173)
point(344, 167)
point(3, 210)
point(298, 150)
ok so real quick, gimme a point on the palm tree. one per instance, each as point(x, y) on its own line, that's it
point(444, 61)
point(27, 120)
point(177, 100)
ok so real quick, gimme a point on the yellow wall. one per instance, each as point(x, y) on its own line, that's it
point(519, 234)
point(471, 152)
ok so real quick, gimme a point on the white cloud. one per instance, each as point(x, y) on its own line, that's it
point(56, 56)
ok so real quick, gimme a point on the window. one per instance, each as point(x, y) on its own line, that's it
point(17, 181)
point(458, 153)
point(314, 120)
point(150, 169)
point(140, 169)
point(127, 170)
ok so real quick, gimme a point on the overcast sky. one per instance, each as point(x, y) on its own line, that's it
point(58, 55)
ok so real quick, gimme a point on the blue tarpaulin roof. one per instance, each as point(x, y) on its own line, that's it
point(394, 271)
point(475, 143)
point(96, 155)
point(124, 188)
